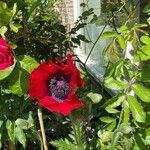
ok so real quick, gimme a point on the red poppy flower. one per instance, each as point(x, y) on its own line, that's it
point(6, 56)
point(54, 86)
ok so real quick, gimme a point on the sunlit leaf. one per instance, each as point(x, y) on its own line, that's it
point(10, 130)
point(20, 135)
point(126, 113)
point(13, 27)
point(95, 97)
point(6, 72)
point(143, 53)
point(109, 34)
point(106, 136)
point(3, 30)
point(107, 119)
point(121, 41)
point(142, 92)
point(28, 63)
point(145, 39)
point(115, 139)
point(148, 136)
point(115, 84)
point(19, 81)
point(137, 110)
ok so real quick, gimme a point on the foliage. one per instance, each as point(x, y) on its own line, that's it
point(118, 121)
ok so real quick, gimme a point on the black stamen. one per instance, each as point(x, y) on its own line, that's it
point(59, 88)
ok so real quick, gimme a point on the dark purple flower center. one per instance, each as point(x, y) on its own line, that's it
point(59, 88)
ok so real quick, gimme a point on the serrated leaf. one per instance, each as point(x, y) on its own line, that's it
point(137, 110)
point(107, 119)
point(20, 136)
point(109, 34)
point(64, 145)
point(6, 72)
point(28, 63)
point(121, 41)
point(95, 97)
point(142, 92)
point(111, 83)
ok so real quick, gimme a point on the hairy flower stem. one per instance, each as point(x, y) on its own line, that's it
point(78, 136)
point(78, 132)
point(40, 116)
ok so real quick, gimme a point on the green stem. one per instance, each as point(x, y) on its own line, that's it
point(77, 129)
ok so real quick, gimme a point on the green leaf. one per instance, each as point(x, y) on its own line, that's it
point(111, 110)
point(13, 27)
point(1, 122)
point(137, 110)
point(5, 14)
point(115, 84)
point(121, 41)
point(83, 38)
point(145, 76)
point(64, 145)
point(28, 63)
point(6, 72)
point(140, 25)
point(111, 126)
point(139, 140)
point(75, 40)
point(126, 113)
point(115, 139)
point(20, 136)
point(10, 130)
point(109, 34)
point(107, 119)
point(3, 30)
point(142, 92)
point(145, 39)
point(123, 28)
point(125, 128)
point(143, 53)
point(106, 136)
point(19, 81)
point(147, 140)
point(115, 101)
point(14, 10)
point(95, 97)
point(23, 124)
